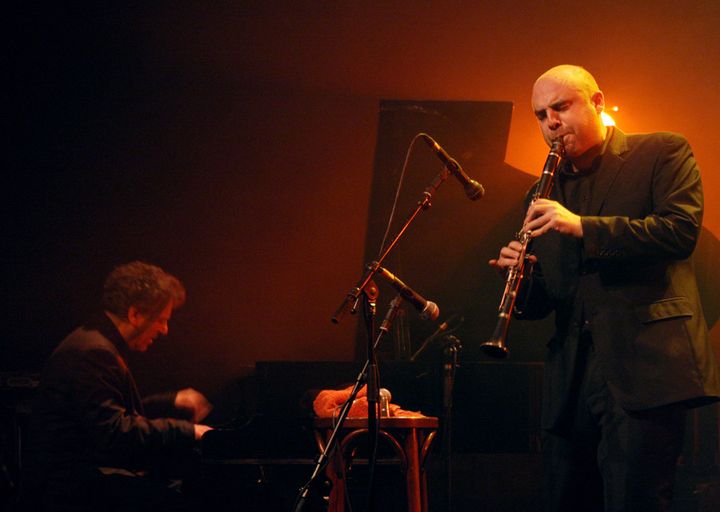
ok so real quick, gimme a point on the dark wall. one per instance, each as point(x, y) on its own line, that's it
point(253, 194)
point(233, 144)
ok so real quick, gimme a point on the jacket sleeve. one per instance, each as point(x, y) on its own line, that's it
point(163, 405)
point(672, 227)
point(533, 301)
point(104, 400)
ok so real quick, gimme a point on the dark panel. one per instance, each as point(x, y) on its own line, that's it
point(496, 405)
point(445, 252)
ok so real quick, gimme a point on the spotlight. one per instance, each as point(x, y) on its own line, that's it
point(607, 119)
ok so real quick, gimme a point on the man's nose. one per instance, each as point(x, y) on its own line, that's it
point(553, 120)
point(163, 328)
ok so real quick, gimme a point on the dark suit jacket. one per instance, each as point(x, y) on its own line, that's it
point(88, 414)
point(633, 280)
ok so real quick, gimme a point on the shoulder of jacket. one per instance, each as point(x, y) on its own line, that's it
point(659, 138)
point(87, 340)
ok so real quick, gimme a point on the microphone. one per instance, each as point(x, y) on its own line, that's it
point(385, 398)
point(473, 189)
point(428, 309)
point(456, 319)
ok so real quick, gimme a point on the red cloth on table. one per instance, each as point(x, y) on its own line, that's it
point(328, 402)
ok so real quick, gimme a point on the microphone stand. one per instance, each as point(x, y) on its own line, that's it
point(425, 344)
point(374, 392)
point(332, 441)
point(349, 304)
point(352, 298)
point(450, 365)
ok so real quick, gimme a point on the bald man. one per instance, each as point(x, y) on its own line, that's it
point(630, 352)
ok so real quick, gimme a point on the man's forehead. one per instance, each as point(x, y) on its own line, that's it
point(161, 313)
point(166, 313)
point(548, 91)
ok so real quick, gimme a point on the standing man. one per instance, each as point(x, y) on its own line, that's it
point(630, 352)
point(93, 440)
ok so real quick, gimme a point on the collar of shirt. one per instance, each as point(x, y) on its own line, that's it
point(107, 328)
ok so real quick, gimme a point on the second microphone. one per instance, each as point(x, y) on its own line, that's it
point(427, 308)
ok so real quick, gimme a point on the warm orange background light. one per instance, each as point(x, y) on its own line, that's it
point(665, 79)
point(480, 51)
point(263, 116)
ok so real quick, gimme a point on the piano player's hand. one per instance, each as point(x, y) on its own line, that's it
point(200, 430)
point(193, 401)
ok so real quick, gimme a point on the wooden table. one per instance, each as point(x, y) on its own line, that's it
point(409, 437)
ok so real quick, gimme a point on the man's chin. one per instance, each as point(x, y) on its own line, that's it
point(140, 346)
point(569, 144)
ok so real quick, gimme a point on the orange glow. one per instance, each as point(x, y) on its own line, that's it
point(607, 119)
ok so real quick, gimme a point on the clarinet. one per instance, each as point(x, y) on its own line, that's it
point(496, 346)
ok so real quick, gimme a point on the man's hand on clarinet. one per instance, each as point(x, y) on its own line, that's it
point(545, 215)
point(508, 257)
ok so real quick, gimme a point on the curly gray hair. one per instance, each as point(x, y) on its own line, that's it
point(147, 287)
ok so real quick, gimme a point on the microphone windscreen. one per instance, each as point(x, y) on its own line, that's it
point(431, 311)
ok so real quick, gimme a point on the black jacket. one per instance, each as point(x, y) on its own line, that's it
point(632, 279)
point(88, 413)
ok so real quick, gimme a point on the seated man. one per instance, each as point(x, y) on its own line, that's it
point(92, 446)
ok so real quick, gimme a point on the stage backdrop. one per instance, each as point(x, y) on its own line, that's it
point(443, 255)
point(233, 144)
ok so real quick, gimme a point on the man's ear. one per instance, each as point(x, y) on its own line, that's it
point(598, 99)
point(133, 316)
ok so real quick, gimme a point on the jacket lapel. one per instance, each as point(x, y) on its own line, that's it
point(610, 166)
